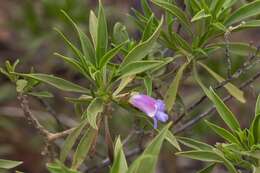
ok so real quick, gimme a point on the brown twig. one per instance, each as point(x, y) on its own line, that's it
point(49, 109)
point(31, 118)
point(193, 121)
point(245, 67)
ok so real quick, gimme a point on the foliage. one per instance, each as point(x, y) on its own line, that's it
point(115, 66)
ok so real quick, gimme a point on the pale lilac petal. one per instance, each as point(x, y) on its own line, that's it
point(160, 105)
point(161, 116)
point(155, 123)
point(153, 108)
point(144, 103)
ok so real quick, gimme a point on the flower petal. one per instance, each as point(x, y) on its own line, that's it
point(161, 116)
point(144, 103)
point(155, 123)
point(160, 105)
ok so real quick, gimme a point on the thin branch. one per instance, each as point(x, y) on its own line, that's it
point(16, 112)
point(227, 53)
point(49, 109)
point(54, 136)
point(246, 66)
point(106, 162)
point(193, 121)
point(31, 118)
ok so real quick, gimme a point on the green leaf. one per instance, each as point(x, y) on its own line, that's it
point(72, 62)
point(246, 11)
point(148, 83)
point(232, 89)
point(171, 93)
point(70, 141)
point(203, 155)
point(20, 85)
point(200, 15)
point(194, 144)
point(111, 54)
point(138, 67)
point(237, 48)
point(148, 29)
point(223, 133)
point(256, 169)
point(58, 167)
point(95, 107)
point(175, 11)
point(146, 9)
point(102, 35)
point(172, 140)
point(208, 156)
point(208, 169)
point(143, 48)
point(83, 147)
point(120, 33)
point(147, 161)
point(56, 82)
point(224, 111)
point(120, 163)
point(181, 44)
point(93, 27)
point(42, 94)
point(255, 126)
point(257, 106)
point(86, 45)
point(216, 6)
point(249, 24)
point(75, 50)
point(135, 167)
point(9, 164)
point(123, 83)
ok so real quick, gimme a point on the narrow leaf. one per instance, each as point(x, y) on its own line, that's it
point(200, 15)
point(86, 45)
point(9, 164)
point(232, 89)
point(83, 147)
point(102, 35)
point(111, 54)
point(56, 82)
point(203, 155)
point(120, 163)
point(70, 141)
point(94, 108)
point(138, 67)
point(246, 11)
point(255, 127)
point(93, 27)
point(143, 48)
point(208, 169)
point(42, 94)
point(148, 83)
point(171, 93)
point(224, 111)
point(223, 133)
point(123, 83)
point(72, 62)
point(194, 144)
point(175, 11)
point(173, 140)
point(147, 161)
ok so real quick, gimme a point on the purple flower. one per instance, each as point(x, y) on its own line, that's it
point(150, 106)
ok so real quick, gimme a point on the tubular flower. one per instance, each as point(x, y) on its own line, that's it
point(150, 106)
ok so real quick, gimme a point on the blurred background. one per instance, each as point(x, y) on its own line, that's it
point(26, 33)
